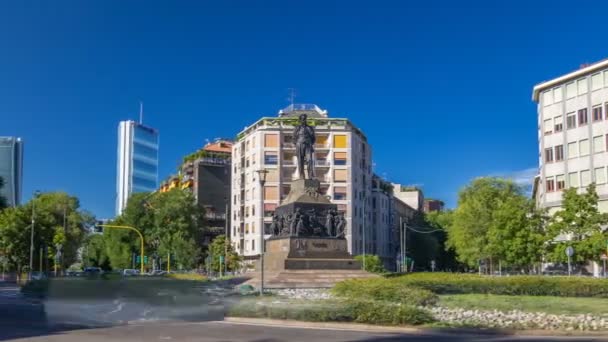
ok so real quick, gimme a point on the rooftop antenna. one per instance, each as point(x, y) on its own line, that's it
point(292, 96)
point(141, 113)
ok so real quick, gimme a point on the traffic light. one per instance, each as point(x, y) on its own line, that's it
point(98, 227)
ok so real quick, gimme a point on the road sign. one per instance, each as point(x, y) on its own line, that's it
point(604, 257)
point(569, 251)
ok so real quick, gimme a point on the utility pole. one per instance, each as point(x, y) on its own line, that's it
point(400, 244)
point(36, 193)
point(364, 200)
point(405, 244)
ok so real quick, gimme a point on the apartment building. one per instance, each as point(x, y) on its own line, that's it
point(572, 135)
point(380, 226)
point(342, 164)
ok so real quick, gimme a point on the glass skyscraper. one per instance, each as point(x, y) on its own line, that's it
point(137, 167)
point(11, 169)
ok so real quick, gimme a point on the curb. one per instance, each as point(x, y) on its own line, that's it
point(322, 325)
point(412, 330)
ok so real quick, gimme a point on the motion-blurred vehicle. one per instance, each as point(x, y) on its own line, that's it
point(129, 272)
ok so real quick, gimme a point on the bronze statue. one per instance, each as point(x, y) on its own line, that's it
point(304, 137)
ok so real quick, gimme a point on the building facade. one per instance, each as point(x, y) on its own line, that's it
point(11, 169)
point(137, 162)
point(409, 195)
point(431, 205)
point(401, 214)
point(342, 164)
point(572, 135)
point(381, 225)
point(207, 173)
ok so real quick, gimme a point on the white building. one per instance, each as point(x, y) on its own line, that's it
point(410, 195)
point(11, 169)
point(137, 162)
point(572, 134)
point(343, 165)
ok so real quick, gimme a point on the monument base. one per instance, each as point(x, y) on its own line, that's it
point(308, 253)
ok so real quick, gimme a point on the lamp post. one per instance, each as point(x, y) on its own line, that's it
point(262, 179)
point(226, 216)
point(36, 194)
point(364, 200)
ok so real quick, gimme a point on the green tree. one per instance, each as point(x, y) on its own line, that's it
point(475, 220)
point(58, 218)
point(373, 263)
point(216, 249)
point(446, 256)
point(94, 252)
point(581, 222)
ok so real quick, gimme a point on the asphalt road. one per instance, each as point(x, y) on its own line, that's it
point(194, 315)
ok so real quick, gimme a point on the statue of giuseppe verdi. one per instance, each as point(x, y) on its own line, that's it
point(304, 137)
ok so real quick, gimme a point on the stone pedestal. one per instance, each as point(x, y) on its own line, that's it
point(308, 253)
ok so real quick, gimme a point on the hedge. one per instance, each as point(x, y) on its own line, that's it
point(458, 283)
point(384, 290)
point(361, 311)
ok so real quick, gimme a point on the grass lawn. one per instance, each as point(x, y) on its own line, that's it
point(552, 305)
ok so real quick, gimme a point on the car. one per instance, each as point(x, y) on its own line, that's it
point(92, 271)
point(38, 276)
point(130, 272)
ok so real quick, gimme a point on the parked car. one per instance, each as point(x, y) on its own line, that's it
point(92, 271)
point(130, 272)
point(38, 276)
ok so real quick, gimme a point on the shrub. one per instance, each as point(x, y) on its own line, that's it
point(455, 283)
point(384, 290)
point(372, 263)
point(373, 312)
point(187, 276)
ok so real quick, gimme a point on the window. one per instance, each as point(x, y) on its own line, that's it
point(321, 140)
point(247, 211)
point(271, 140)
point(247, 163)
point(597, 113)
point(270, 158)
point(598, 144)
point(547, 97)
point(248, 195)
point(340, 176)
point(585, 177)
point(271, 193)
point(252, 227)
point(559, 152)
point(548, 155)
point(557, 94)
point(548, 127)
point(550, 184)
point(253, 210)
point(269, 209)
point(582, 86)
point(570, 90)
point(253, 142)
point(285, 190)
point(582, 117)
point(253, 159)
point(558, 124)
point(253, 245)
point(560, 181)
point(572, 150)
point(246, 228)
point(596, 81)
point(600, 175)
point(339, 192)
point(340, 141)
point(571, 121)
point(339, 158)
point(573, 179)
point(584, 147)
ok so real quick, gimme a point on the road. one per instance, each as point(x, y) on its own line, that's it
point(197, 318)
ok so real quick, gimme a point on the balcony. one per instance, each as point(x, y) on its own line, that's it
point(322, 163)
point(323, 146)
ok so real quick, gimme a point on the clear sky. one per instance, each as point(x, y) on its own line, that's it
point(442, 89)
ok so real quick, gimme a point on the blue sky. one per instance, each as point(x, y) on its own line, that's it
point(441, 88)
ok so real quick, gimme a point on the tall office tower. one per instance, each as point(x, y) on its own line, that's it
point(11, 169)
point(137, 164)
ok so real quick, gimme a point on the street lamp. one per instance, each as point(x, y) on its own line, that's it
point(36, 194)
point(262, 179)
